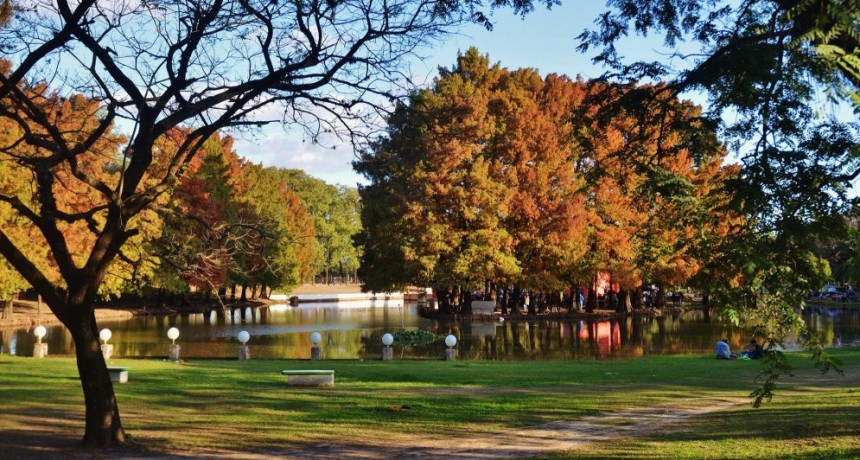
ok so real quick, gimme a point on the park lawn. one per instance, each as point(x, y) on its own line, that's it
point(224, 405)
point(796, 426)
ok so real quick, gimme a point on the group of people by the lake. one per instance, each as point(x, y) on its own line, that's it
point(754, 350)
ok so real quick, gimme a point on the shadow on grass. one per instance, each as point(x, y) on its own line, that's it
point(47, 444)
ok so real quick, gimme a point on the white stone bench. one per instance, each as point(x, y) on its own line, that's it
point(118, 374)
point(483, 307)
point(309, 377)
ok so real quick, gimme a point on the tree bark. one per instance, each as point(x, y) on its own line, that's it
point(8, 305)
point(103, 426)
point(661, 296)
point(636, 298)
point(624, 304)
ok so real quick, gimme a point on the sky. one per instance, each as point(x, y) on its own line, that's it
point(544, 40)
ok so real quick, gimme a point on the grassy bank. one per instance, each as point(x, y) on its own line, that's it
point(217, 406)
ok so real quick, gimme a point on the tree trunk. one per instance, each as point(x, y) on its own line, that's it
point(466, 301)
point(8, 306)
point(661, 296)
point(517, 300)
point(103, 426)
point(624, 305)
point(591, 302)
point(636, 298)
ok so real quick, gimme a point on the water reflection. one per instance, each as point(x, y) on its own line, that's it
point(355, 332)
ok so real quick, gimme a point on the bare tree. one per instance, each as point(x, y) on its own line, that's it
point(153, 65)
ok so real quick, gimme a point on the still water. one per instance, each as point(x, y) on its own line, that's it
point(354, 330)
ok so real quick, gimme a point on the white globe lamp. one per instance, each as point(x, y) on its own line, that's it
point(316, 338)
point(105, 334)
point(173, 334)
point(450, 340)
point(387, 339)
point(244, 337)
point(39, 332)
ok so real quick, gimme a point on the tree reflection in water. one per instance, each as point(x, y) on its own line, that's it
point(355, 332)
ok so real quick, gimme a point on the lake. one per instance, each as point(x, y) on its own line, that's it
point(353, 330)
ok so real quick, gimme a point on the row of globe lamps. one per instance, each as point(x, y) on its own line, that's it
point(105, 334)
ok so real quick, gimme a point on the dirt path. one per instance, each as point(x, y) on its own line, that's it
point(524, 442)
point(547, 438)
point(513, 443)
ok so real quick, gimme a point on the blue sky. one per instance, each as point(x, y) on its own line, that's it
point(545, 40)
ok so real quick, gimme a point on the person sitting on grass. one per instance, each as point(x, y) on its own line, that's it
point(723, 350)
point(754, 350)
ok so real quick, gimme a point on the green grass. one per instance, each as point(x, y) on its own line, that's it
point(800, 426)
point(246, 405)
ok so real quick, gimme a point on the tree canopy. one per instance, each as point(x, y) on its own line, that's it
point(501, 175)
point(772, 70)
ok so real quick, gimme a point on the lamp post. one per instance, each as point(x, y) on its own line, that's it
point(387, 351)
point(175, 349)
point(450, 352)
point(316, 352)
point(107, 349)
point(40, 350)
point(244, 352)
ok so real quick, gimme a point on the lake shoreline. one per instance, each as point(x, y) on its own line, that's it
point(28, 313)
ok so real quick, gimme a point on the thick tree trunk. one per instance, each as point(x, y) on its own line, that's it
point(624, 305)
point(515, 300)
point(103, 426)
point(8, 306)
point(466, 301)
point(636, 298)
point(661, 296)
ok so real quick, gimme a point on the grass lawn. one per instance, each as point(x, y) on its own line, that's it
point(244, 406)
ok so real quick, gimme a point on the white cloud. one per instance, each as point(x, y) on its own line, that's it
point(287, 149)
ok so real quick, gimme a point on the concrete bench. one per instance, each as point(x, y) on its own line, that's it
point(309, 377)
point(118, 374)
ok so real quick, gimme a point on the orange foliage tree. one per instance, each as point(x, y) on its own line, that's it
point(523, 181)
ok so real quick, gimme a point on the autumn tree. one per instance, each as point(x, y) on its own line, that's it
point(656, 173)
point(202, 234)
point(335, 212)
point(506, 176)
point(764, 64)
point(447, 202)
point(156, 66)
point(286, 247)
